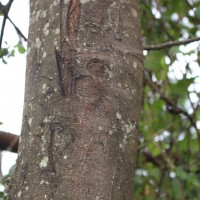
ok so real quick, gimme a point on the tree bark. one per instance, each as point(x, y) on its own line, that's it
point(82, 101)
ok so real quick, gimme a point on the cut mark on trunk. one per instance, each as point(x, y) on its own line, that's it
point(73, 15)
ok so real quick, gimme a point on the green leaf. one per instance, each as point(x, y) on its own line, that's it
point(3, 52)
point(4, 61)
point(12, 53)
point(21, 49)
point(175, 50)
point(3, 196)
point(154, 149)
point(197, 12)
point(12, 170)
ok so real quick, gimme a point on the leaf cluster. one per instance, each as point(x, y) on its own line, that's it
point(7, 53)
point(168, 164)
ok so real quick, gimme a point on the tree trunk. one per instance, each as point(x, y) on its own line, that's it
point(82, 101)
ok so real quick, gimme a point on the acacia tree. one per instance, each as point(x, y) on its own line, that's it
point(82, 101)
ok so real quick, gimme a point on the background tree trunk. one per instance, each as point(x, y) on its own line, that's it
point(82, 101)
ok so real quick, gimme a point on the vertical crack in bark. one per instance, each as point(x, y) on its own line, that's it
point(51, 151)
point(59, 63)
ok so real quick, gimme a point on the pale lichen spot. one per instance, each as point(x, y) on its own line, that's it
point(119, 85)
point(46, 32)
point(44, 162)
point(120, 146)
point(126, 35)
point(30, 105)
point(31, 140)
point(66, 1)
point(46, 29)
point(44, 54)
point(19, 194)
point(128, 129)
point(30, 121)
point(118, 115)
point(110, 132)
point(38, 42)
point(46, 120)
point(55, 43)
point(37, 15)
point(109, 72)
point(85, 1)
point(44, 86)
point(44, 13)
point(42, 182)
point(113, 4)
point(100, 128)
point(26, 188)
point(134, 65)
point(56, 2)
point(43, 149)
point(65, 157)
point(134, 12)
point(133, 91)
point(57, 31)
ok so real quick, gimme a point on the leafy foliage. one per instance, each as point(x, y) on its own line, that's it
point(168, 161)
point(5, 180)
point(7, 52)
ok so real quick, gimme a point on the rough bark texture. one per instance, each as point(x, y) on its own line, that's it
point(82, 101)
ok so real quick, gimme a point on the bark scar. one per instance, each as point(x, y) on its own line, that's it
point(72, 21)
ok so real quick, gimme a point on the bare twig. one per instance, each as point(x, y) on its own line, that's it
point(172, 106)
point(17, 29)
point(4, 9)
point(170, 44)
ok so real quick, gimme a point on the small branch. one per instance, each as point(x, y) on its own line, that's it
point(17, 29)
point(5, 10)
point(173, 108)
point(9, 142)
point(170, 44)
point(157, 161)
